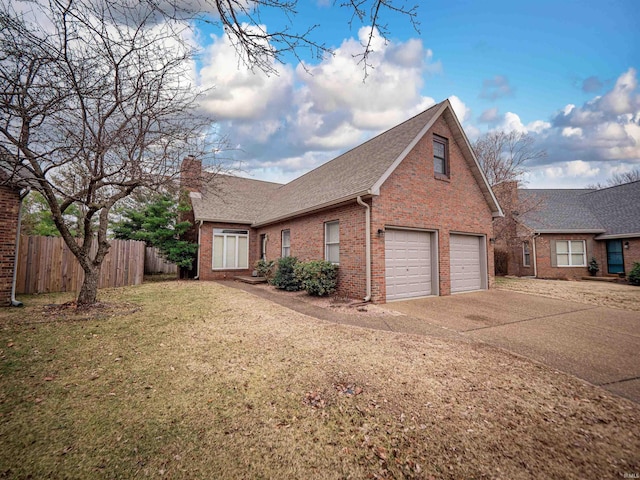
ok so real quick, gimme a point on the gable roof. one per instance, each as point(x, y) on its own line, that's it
point(229, 199)
point(613, 211)
point(358, 172)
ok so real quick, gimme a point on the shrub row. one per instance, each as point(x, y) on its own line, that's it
point(317, 277)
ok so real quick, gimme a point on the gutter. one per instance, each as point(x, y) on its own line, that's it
point(198, 257)
point(14, 301)
point(367, 245)
point(303, 211)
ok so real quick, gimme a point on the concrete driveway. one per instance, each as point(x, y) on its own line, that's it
point(600, 345)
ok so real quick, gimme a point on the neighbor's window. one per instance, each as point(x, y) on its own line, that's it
point(332, 242)
point(230, 248)
point(571, 253)
point(440, 155)
point(286, 243)
point(526, 255)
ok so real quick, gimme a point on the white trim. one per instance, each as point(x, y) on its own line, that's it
point(376, 186)
point(618, 236)
point(282, 245)
point(570, 230)
point(524, 254)
point(332, 203)
point(569, 254)
point(327, 243)
point(224, 248)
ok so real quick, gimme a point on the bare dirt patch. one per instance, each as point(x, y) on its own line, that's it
point(605, 294)
point(206, 381)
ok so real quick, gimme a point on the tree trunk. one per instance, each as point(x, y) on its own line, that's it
point(89, 291)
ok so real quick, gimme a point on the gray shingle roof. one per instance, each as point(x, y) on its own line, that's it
point(358, 172)
point(610, 211)
point(226, 198)
point(617, 208)
point(352, 173)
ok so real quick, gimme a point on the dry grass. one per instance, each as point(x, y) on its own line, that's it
point(606, 294)
point(196, 380)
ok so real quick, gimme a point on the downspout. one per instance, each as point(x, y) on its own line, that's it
point(367, 246)
point(535, 256)
point(14, 302)
point(198, 258)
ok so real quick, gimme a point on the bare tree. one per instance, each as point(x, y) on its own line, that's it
point(503, 155)
point(95, 103)
point(258, 47)
point(618, 179)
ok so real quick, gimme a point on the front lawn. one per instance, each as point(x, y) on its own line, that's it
point(197, 380)
point(604, 294)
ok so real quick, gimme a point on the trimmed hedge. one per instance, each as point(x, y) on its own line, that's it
point(317, 277)
point(285, 277)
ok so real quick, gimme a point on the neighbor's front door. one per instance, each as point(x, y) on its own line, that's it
point(615, 260)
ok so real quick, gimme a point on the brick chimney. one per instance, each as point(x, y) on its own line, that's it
point(191, 174)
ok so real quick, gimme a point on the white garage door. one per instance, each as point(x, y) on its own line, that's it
point(407, 264)
point(466, 266)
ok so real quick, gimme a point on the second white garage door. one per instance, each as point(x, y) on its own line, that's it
point(407, 264)
point(466, 265)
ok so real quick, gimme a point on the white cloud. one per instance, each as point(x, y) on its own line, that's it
point(571, 131)
point(462, 111)
point(237, 92)
point(578, 168)
point(291, 120)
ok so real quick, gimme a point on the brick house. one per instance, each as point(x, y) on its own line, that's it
point(561, 230)
point(9, 211)
point(406, 214)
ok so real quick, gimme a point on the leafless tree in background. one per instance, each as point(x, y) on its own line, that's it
point(618, 179)
point(258, 47)
point(96, 102)
point(503, 155)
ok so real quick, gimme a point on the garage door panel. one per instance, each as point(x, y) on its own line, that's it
point(466, 265)
point(408, 264)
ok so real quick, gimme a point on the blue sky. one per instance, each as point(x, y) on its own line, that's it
point(565, 72)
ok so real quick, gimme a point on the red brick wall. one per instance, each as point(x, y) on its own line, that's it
point(9, 208)
point(631, 254)
point(205, 270)
point(307, 243)
point(413, 197)
point(543, 252)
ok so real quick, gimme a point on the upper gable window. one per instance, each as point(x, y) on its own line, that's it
point(440, 156)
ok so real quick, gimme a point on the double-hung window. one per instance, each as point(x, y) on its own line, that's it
point(332, 242)
point(571, 253)
point(230, 249)
point(440, 156)
point(526, 254)
point(286, 243)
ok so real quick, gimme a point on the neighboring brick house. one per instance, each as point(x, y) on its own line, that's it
point(411, 204)
point(9, 210)
point(561, 230)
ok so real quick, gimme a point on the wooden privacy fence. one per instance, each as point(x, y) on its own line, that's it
point(45, 264)
point(154, 263)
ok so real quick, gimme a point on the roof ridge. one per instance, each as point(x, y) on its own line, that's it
point(364, 143)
